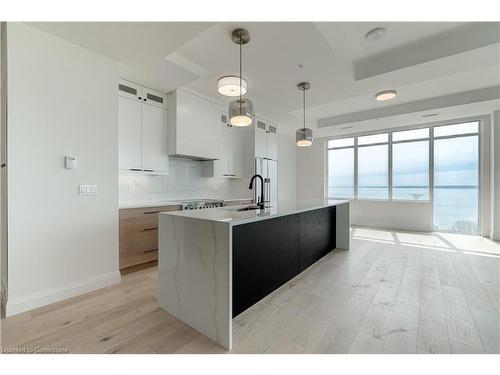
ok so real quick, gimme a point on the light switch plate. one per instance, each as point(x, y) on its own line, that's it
point(87, 190)
point(131, 189)
point(69, 162)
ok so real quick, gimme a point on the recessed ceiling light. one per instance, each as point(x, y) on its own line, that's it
point(375, 34)
point(385, 95)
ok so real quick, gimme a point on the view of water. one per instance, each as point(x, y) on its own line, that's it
point(456, 209)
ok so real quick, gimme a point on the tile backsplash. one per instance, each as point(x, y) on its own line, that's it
point(185, 181)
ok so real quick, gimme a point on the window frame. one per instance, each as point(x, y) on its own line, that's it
point(479, 119)
point(479, 135)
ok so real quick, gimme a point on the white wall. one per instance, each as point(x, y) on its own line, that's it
point(495, 176)
point(415, 216)
point(311, 163)
point(287, 164)
point(3, 171)
point(62, 100)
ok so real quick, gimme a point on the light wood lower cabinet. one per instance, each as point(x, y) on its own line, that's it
point(139, 236)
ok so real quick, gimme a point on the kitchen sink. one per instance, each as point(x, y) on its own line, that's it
point(244, 208)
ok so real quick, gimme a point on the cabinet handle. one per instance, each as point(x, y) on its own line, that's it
point(145, 99)
point(146, 229)
point(148, 170)
point(150, 251)
point(140, 98)
point(151, 212)
point(136, 169)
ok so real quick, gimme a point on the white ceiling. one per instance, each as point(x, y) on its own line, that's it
point(419, 60)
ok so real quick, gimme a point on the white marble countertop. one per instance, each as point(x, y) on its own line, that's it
point(232, 216)
point(124, 205)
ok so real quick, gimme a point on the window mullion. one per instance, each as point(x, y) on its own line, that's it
point(355, 167)
point(389, 172)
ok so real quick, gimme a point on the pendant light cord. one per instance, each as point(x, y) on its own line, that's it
point(240, 72)
point(304, 103)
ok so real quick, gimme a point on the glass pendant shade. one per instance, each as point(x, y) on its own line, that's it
point(241, 112)
point(230, 86)
point(304, 137)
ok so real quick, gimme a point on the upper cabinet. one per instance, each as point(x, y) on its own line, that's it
point(266, 139)
point(236, 153)
point(142, 119)
point(194, 128)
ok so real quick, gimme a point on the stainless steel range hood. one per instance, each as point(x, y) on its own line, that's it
point(191, 157)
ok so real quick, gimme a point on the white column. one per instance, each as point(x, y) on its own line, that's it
point(495, 176)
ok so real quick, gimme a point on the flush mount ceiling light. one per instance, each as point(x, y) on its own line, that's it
point(382, 96)
point(241, 110)
point(304, 135)
point(375, 34)
point(230, 86)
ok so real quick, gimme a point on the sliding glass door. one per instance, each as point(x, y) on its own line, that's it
point(456, 178)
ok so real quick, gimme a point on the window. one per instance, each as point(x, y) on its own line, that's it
point(401, 165)
point(456, 178)
point(410, 134)
point(438, 164)
point(410, 170)
point(370, 139)
point(373, 173)
point(456, 129)
point(341, 168)
point(341, 173)
point(345, 142)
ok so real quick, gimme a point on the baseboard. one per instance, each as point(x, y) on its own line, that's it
point(18, 305)
point(138, 267)
point(369, 224)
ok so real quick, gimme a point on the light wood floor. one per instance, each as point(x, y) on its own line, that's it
point(394, 292)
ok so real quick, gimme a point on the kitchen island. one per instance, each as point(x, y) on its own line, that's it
point(216, 263)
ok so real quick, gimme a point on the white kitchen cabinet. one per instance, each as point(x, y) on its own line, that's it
point(266, 139)
point(142, 131)
point(130, 90)
point(234, 152)
point(238, 150)
point(194, 128)
point(154, 98)
point(130, 133)
point(154, 139)
point(260, 138)
point(272, 141)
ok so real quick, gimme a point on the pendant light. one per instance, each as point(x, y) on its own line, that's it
point(304, 136)
point(241, 110)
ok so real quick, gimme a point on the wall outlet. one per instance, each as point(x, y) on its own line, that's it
point(131, 189)
point(87, 190)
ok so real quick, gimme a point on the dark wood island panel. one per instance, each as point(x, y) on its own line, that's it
point(268, 253)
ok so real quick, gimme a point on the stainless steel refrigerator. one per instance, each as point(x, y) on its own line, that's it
point(268, 169)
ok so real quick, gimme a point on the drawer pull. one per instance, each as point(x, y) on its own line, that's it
point(151, 212)
point(150, 251)
point(146, 229)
